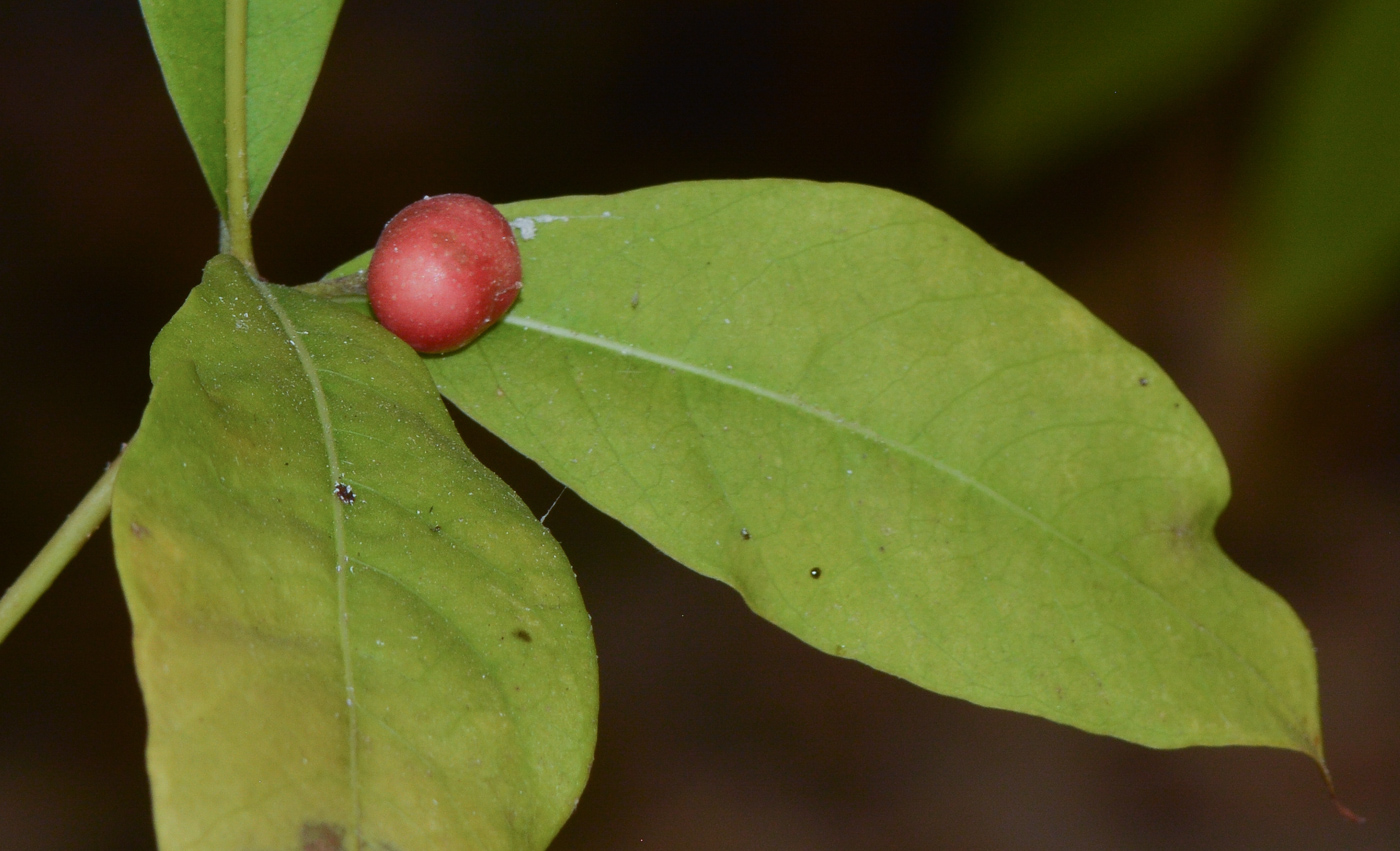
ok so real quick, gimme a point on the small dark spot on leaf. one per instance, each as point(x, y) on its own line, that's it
point(319, 836)
point(882, 549)
point(636, 299)
point(815, 573)
point(344, 494)
point(744, 533)
point(138, 530)
point(437, 528)
point(1143, 381)
point(522, 635)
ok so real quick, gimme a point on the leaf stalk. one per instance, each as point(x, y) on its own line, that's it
point(239, 225)
point(60, 550)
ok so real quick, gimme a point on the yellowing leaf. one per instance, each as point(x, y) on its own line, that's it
point(347, 630)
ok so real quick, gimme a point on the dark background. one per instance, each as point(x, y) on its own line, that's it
point(718, 731)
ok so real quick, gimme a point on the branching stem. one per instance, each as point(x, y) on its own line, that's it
point(60, 549)
point(240, 232)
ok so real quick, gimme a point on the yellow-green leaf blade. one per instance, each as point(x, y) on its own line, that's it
point(1002, 500)
point(286, 43)
point(405, 660)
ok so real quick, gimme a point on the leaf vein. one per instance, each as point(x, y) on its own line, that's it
point(338, 518)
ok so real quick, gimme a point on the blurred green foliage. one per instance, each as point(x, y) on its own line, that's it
point(1322, 194)
point(1049, 81)
point(1048, 78)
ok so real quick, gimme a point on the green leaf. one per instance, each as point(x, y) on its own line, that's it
point(1004, 500)
point(286, 42)
point(414, 668)
point(1048, 78)
point(1323, 199)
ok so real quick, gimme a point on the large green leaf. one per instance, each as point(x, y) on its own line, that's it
point(1324, 195)
point(286, 43)
point(1049, 77)
point(897, 444)
point(413, 669)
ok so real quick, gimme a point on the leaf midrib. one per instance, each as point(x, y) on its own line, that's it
point(342, 558)
point(628, 350)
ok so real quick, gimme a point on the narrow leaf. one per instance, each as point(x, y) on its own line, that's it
point(897, 444)
point(348, 632)
point(286, 42)
point(1048, 78)
point(1323, 201)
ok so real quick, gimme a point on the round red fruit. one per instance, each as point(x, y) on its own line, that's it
point(443, 270)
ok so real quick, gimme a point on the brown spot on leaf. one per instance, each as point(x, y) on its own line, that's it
point(319, 836)
point(139, 531)
point(522, 635)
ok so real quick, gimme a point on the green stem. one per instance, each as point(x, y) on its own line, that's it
point(240, 229)
point(60, 549)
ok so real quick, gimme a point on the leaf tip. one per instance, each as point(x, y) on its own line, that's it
point(1342, 809)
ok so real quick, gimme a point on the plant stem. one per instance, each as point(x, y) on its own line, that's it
point(240, 229)
point(60, 549)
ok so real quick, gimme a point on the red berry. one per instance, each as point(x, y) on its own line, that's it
point(443, 270)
